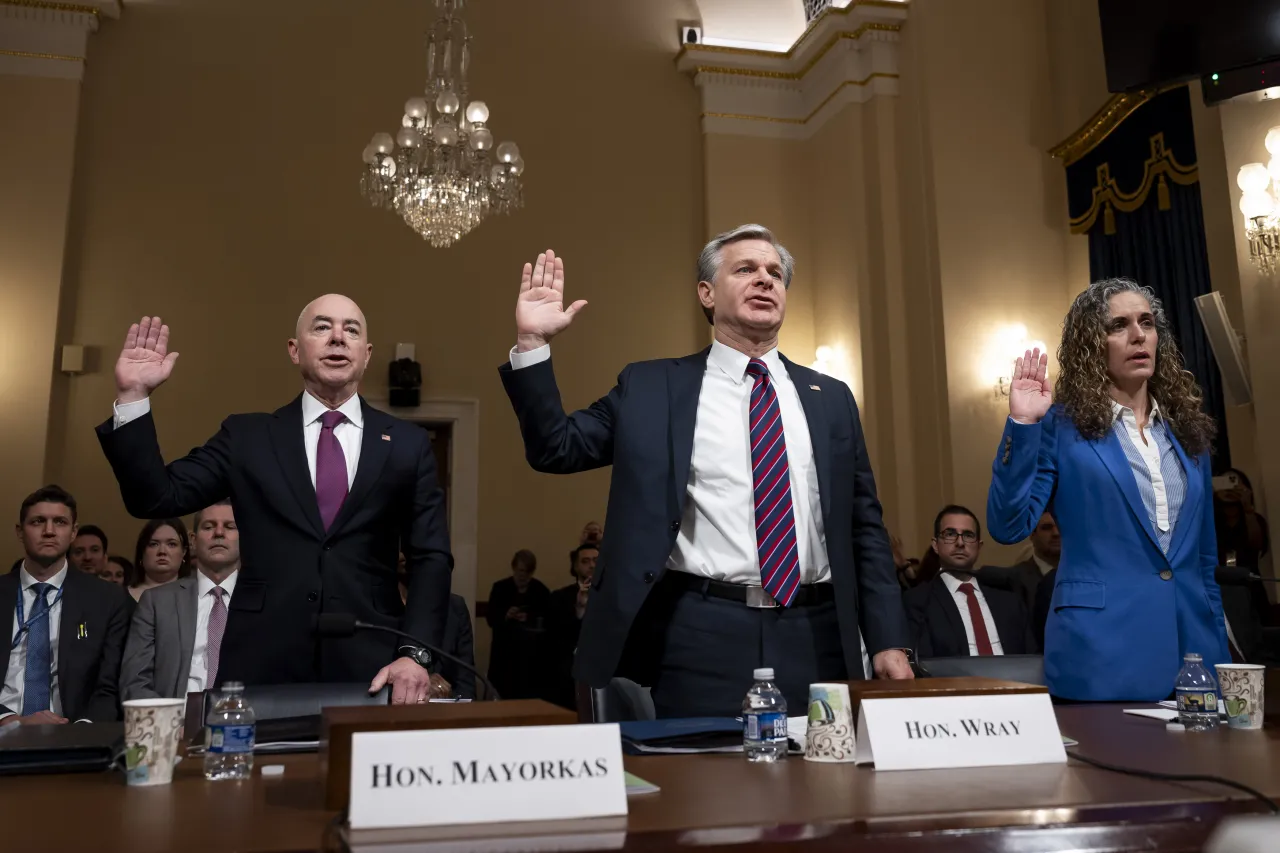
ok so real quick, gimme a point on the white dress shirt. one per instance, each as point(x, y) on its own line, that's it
point(1043, 565)
point(14, 679)
point(349, 433)
point(204, 606)
point(1150, 453)
point(962, 602)
point(717, 537)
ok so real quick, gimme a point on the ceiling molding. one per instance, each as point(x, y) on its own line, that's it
point(47, 39)
point(847, 55)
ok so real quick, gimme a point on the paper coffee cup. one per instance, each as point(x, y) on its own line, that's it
point(152, 729)
point(1242, 686)
point(829, 735)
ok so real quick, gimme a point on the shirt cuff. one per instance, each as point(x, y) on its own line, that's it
point(126, 412)
point(529, 359)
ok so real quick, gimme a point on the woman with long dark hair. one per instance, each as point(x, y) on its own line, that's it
point(1118, 453)
point(160, 556)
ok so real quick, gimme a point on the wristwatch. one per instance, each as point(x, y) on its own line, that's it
point(422, 657)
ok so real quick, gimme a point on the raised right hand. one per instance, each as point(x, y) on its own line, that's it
point(1030, 394)
point(540, 311)
point(145, 362)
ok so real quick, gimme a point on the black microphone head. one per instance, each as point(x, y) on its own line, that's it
point(334, 625)
point(1232, 576)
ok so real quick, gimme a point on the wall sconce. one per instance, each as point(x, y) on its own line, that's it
point(1008, 344)
point(1259, 186)
point(832, 361)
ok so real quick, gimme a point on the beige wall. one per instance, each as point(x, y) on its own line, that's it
point(217, 186)
point(37, 144)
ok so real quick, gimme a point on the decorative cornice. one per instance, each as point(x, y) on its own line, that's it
point(43, 38)
point(833, 63)
point(27, 54)
point(1100, 125)
point(110, 8)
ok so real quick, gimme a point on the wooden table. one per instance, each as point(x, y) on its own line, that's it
point(713, 801)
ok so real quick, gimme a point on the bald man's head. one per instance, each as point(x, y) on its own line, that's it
point(332, 348)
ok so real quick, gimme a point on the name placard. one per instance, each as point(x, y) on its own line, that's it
point(929, 733)
point(460, 776)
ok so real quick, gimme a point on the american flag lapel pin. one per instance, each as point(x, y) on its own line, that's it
point(386, 437)
point(815, 388)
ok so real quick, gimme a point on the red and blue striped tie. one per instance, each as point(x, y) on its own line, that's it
point(775, 520)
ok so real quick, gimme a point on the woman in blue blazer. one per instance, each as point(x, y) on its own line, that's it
point(1119, 454)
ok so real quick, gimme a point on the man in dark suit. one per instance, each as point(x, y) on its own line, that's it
point(66, 628)
point(565, 613)
point(957, 614)
point(1025, 578)
point(744, 527)
point(324, 490)
point(459, 641)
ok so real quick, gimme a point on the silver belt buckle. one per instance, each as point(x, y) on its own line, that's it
point(759, 599)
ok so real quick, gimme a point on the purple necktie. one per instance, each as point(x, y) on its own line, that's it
point(213, 641)
point(775, 521)
point(331, 469)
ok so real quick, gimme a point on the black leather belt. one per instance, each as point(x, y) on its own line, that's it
point(751, 596)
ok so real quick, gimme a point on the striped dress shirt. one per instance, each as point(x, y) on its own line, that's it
point(1161, 479)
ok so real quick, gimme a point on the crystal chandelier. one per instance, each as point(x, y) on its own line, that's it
point(1260, 208)
point(438, 173)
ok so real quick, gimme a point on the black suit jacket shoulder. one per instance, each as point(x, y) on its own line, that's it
point(292, 567)
point(938, 628)
point(88, 659)
point(459, 641)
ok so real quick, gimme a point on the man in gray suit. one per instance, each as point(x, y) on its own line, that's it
point(176, 635)
point(1024, 578)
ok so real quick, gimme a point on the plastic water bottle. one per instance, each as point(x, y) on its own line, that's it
point(229, 744)
point(1197, 692)
point(764, 720)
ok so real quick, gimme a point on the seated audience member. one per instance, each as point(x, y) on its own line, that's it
point(517, 611)
point(176, 634)
point(160, 557)
point(955, 614)
point(908, 568)
point(1024, 578)
point(89, 550)
point(1244, 537)
point(459, 641)
point(68, 626)
point(592, 533)
point(116, 570)
point(564, 623)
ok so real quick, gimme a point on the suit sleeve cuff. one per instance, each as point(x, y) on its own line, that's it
point(529, 359)
point(124, 413)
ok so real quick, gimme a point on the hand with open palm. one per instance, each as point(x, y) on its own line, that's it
point(1030, 394)
point(145, 362)
point(540, 311)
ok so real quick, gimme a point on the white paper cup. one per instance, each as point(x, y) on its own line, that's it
point(1242, 690)
point(829, 735)
point(152, 729)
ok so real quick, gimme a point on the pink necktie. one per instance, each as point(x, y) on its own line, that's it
point(213, 646)
point(331, 469)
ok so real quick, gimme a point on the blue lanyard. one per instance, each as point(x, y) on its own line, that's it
point(24, 627)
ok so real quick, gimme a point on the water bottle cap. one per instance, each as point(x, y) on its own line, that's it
point(764, 674)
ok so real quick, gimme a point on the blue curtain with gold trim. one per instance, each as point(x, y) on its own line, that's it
point(1137, 195)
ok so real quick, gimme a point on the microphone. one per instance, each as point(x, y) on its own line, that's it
point(344, 625)
point(1238, 576)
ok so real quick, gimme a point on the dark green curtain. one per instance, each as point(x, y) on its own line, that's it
point(1137, 196)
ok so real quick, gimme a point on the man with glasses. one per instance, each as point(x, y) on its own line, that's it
point(955, 615)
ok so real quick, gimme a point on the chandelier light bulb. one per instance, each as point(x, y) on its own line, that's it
point(1253, 177)
point(477, 112)
point(415, 107)
point(1255, 204)
point(407, 138)
point(382, 143)
point(369, 154)
point(497, 174)
point(447, 103)
point(481, 139)
point(1273, 141)
point(507, 152)
point(444, 134)
point(517, 166)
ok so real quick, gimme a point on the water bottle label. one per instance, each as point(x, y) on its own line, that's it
point(1197, 701)
point(766, 727)
point(230, 739)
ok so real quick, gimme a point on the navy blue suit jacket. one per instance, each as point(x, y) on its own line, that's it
point(644, 429)
point(1123, 611)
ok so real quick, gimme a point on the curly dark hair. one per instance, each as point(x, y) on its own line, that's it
point(1083, 385)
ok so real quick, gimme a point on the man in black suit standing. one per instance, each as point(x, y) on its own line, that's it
point(744, 527)
point(324, 492)
point(956, 614)
point(66, 628)
point(1026, 577)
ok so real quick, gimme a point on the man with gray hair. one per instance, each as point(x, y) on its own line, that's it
point(744, 528)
